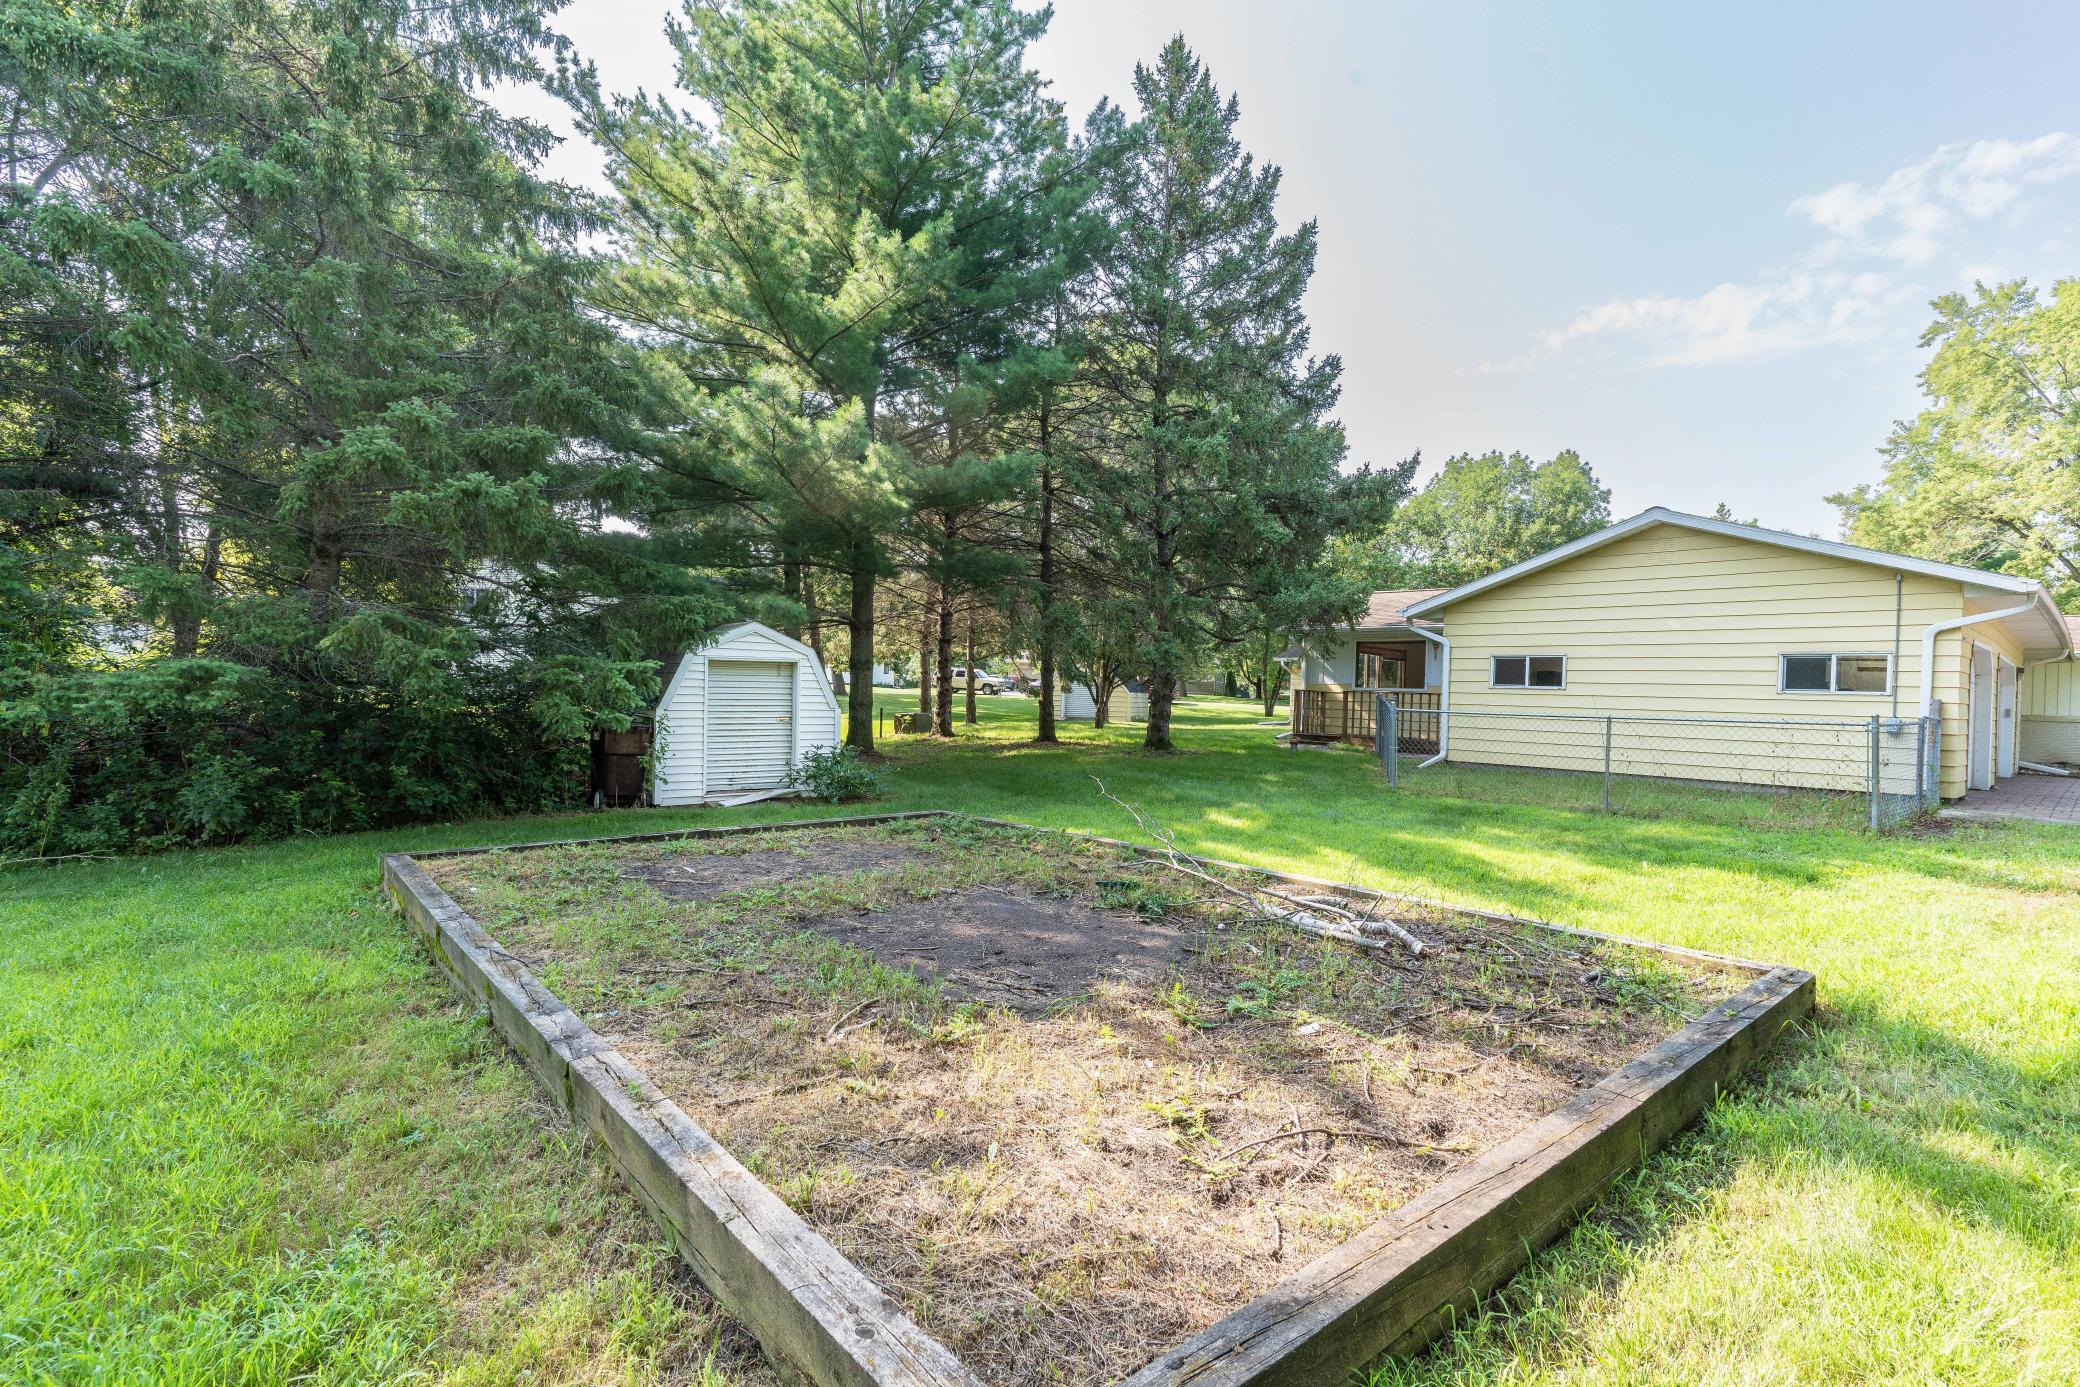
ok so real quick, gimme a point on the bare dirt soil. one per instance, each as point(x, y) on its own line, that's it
point(1066, 1106)
point(1003, 945)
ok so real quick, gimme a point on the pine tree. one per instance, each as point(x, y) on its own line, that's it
point(317, 389)
point(1218, 480)
point(831, 258)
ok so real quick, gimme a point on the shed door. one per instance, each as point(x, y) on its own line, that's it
point(750, 724)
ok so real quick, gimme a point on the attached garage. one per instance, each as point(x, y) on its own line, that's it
point(737, 713)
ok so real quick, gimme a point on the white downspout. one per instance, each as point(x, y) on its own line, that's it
point(1444, 694)
point(1928, 645)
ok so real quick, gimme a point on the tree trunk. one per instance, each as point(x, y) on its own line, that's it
point(859, 695)
point(1162, 692)
point(1047, 733)
point(1274, 674)
point(323, 564)
point(1162, 686)
point(970, 718)
point(791, 586)
point(925, 642)
point(837, 676)
point(1047, 683)
point(187, 627)
point(944, 727)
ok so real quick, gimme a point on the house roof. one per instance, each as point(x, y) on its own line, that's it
point(1384, 609)
point(2056, 623)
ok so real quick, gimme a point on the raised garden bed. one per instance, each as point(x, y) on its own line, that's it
point(928, 1099)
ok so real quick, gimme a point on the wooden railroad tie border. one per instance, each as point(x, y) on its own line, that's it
point(1388, 1289)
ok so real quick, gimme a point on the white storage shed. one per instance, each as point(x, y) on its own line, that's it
point(736, 714)
point(1129, 703)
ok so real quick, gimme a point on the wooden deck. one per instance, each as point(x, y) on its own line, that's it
point(1348, 715)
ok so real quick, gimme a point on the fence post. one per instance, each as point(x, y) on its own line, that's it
point(1607, 723)
point(1386, 733)
point(1874, 772)
point(1920, 765)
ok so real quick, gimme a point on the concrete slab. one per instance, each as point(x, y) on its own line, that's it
point(2051, 799)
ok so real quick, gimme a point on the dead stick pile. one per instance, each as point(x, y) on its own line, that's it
point(1327, 915)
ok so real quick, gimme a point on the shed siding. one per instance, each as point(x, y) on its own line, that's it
point(1681, 623)
point(1075, 704)
point(676, 750)
point(682, 760)
point(816, 709)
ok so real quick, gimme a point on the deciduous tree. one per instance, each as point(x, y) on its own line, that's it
point(1988, 474)
point(1478, 514)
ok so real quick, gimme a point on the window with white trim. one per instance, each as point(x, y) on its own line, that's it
point(1527, 671)
point(1831, 673)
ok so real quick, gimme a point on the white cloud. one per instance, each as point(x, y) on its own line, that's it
point(1909, 216)
point(1846, 288)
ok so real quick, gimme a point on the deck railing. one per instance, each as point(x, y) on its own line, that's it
point(1346, 715)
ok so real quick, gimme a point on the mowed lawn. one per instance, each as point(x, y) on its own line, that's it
point(247, 1134)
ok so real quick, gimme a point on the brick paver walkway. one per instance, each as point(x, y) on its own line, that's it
point(2053, 799)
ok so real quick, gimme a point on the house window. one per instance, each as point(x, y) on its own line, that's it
point(1833, 674)
point(1527, 672)
point(1382, 667)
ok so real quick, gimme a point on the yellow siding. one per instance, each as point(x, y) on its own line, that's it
point(1680, 623)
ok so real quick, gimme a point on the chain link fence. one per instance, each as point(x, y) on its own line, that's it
point(1877, 771)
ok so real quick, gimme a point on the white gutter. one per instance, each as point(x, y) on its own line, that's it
point(1928, 644)
point(1444, 695)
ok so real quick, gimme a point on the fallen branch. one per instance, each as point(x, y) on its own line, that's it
point(839, 1030)
point(1325, 915)
point(1356, 1133)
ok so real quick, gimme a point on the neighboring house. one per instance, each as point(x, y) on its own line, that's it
point(1668, 615)
point(2050, 709)
point(737, 713)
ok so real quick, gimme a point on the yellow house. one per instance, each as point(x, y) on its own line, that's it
point(1723, 652)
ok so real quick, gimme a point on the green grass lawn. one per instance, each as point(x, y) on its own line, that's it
point(247, 1135)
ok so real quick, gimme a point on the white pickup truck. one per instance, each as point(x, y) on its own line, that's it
point(985, 682)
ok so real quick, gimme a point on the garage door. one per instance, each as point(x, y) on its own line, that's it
point(750, 724)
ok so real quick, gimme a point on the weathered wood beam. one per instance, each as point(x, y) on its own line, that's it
point(810, 1309)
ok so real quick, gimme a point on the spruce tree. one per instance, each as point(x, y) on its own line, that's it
point(1217, 482)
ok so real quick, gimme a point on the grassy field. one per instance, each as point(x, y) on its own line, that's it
point(247, 1136)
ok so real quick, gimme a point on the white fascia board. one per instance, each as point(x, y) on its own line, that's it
point(1659, 515)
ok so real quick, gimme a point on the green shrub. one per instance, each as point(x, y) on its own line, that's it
point(834, 774)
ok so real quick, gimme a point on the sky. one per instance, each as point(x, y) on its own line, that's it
point(1694, 243)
